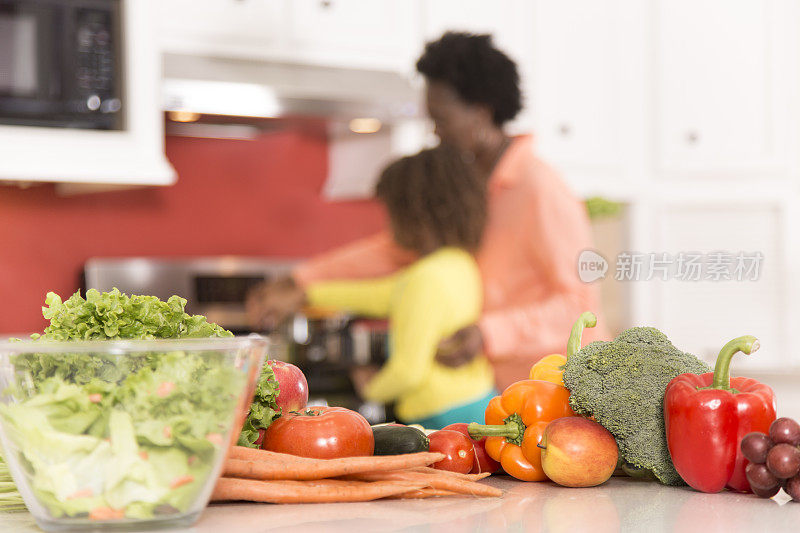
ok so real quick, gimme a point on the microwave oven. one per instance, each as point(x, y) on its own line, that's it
point(60, 64)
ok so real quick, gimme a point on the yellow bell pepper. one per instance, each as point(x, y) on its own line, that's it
point(551, 367)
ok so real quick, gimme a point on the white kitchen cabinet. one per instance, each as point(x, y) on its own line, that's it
point(380, 34)
point(723, 170)
point(700, 316)
point(587, 94)
point(371, 34)
point(725, 71)
point(247, 28)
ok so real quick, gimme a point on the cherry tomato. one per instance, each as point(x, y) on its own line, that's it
point(321, 433)
point(457, 447)
point(483, 463)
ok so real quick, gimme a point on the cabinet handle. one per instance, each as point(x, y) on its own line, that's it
point(325, 4)
point(692, 137)
point(565, 130)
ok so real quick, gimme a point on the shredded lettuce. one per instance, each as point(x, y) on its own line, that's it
point(133, 432)
point(10, 498)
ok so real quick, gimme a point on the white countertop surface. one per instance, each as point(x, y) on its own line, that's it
point(622, 504)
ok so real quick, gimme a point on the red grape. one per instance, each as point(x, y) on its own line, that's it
point(785, 430)
point(755, 447)
point(761, 493)
point(761, 479)
point(783, 460)
point(792, 488)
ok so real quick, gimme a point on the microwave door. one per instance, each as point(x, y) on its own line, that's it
point(92, 87)
point(29, 73)
point(60, 63)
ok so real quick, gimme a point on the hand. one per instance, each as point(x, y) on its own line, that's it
point(361, 375)
point(270, 303)
point(461, 347)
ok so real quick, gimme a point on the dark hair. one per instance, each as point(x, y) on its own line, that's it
point(435, 194)
point(479, 72)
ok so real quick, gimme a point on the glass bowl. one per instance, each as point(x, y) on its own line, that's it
point(123, 434)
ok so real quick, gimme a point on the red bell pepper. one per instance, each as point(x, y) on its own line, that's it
point(706, 417)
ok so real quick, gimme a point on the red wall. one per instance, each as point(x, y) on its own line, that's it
point(257, 198)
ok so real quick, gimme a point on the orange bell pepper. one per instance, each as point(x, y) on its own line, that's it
point(515, 421)
point(551, 367)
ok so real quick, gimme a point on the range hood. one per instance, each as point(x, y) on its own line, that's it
point(241, 98)
point(260, 89)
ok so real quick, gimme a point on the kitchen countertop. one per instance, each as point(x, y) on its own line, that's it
point(622, 504)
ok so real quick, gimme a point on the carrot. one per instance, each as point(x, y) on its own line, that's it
point(106, 513)
point(323, 491)
point(422, 493)
point(325, 468)
point(450, 483)
point(252, 454)
point(83, 493)
point(181, 480)
point(436, 471)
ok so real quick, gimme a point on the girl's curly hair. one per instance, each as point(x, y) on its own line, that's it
point(435, 198)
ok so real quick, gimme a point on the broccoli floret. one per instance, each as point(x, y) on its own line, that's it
point(621, 384)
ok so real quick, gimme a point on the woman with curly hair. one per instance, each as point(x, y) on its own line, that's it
point(535, 231)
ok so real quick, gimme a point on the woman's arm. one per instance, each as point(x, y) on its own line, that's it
point(365, 258)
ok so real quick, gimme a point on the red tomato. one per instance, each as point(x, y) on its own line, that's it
point(321, 433)
point(458, 449)
point(483, 463)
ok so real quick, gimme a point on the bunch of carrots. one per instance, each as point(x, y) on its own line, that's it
point(270, 477)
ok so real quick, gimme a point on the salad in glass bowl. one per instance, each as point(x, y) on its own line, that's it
point(121, 413)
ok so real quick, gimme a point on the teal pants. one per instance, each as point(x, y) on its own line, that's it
point(468, 412)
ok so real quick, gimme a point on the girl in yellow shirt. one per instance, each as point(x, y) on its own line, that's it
point(437, 209)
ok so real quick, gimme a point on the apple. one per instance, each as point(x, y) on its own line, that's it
point(578, 452)
point(292, 384)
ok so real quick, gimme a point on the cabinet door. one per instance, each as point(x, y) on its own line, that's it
point(587, 87)
point(354, 33)
point(700, 316)
point(231, 27)
point(721, 85)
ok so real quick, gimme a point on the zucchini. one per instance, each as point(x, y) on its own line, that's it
point(397, 440)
